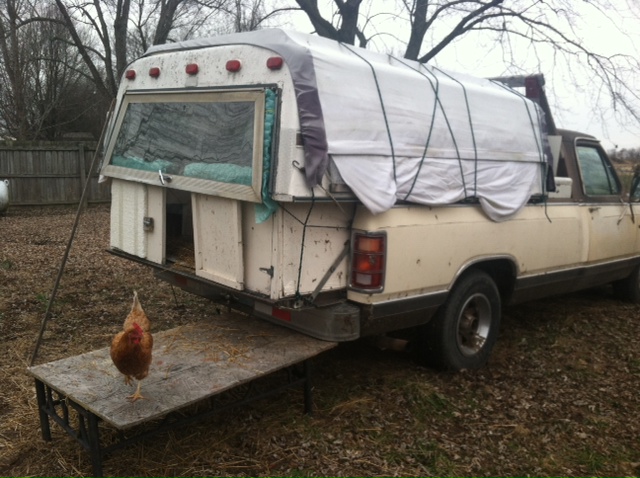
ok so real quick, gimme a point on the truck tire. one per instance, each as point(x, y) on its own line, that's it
point(464, 330)
point(629, 288)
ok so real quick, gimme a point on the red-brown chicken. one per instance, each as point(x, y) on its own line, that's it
point(131, 348)
point(137, 315)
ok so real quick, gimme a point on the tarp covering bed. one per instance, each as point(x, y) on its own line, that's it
point(398, 130)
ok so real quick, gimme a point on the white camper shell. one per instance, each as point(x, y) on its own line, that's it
point(238, 163)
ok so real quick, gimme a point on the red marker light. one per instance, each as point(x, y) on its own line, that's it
point(154, 72)
point(275, 63)
point(130, 74)
point(234, 65)
point(281, 314)
point(192, 69)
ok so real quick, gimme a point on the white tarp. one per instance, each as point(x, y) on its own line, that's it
point(398, 130)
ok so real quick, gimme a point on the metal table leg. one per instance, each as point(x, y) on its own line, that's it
point(44, 418)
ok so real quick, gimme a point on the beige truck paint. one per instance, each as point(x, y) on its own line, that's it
point(430, 247)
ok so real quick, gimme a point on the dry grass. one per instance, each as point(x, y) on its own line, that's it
point(559, 396)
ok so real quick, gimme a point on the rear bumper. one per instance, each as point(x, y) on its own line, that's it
point(338, 322)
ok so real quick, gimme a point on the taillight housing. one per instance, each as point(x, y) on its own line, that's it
point(368, 261)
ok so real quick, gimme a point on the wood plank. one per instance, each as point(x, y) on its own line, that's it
point(190, 363)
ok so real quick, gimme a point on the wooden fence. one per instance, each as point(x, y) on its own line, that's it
point(47, 173)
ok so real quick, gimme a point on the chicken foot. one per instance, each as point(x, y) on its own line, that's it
point(136, 395)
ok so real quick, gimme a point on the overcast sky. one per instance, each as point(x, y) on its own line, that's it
point(575, 102)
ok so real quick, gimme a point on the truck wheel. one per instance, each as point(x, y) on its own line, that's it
point(464, 330)
point(629, 288)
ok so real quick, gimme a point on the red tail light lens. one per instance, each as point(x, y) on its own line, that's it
point(368, 261)
point(130, 74)
point(154, 72)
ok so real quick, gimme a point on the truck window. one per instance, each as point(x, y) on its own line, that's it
point(598, 177)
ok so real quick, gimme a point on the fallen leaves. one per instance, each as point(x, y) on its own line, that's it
point(558, 397)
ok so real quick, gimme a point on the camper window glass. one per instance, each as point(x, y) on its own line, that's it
point(207, 142)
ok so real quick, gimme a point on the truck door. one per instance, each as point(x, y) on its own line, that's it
point(612, 230)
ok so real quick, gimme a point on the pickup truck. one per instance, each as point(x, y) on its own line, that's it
point(343, 193)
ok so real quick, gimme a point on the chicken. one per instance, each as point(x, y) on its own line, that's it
point(137, 315)
point(131, 348)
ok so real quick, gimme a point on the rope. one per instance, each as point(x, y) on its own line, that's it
point(534, 130)
point(437, 102)
point(473, 136)
point(384, 112)
point(304, 233)
point(310, 226)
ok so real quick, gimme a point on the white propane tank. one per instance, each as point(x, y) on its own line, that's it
point(4, 196)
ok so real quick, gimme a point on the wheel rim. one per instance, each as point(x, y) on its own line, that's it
point(474, 324)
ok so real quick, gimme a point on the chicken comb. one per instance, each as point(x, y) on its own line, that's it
point(138, 328)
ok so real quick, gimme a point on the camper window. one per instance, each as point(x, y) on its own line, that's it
point(209, 142)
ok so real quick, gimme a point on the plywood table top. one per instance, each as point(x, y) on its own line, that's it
point(190, 363)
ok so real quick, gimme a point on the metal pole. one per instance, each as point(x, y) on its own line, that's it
point(85, 190)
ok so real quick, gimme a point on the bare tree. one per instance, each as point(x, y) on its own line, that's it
point(346, 16)
point(521, 29)
point(124, 28)
point(43, 81)
point(15, 58)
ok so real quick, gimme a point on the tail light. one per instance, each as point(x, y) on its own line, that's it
point(368, 261)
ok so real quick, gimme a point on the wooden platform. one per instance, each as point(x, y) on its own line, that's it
point(190, 363)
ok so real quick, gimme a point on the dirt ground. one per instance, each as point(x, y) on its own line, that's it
point(558, 397)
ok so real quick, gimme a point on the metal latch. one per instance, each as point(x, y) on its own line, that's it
point(163, 179)
point(267, 270)
point(147, 224)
